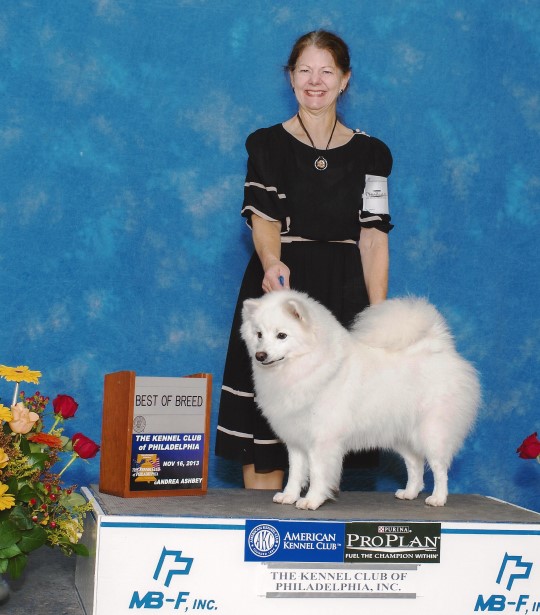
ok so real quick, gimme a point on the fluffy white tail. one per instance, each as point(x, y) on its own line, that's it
point(397, 324)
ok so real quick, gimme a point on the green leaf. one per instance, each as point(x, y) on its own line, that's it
point(3, 566)
point(72, 500)
point(37, 460)
point(4, 514)
point(16, 565)
point(32, 539)
point(27, 493)
point(9, 534)
point(81, 549)
point(24, 446)
point(74, 547)
point(20, 518)
point(13, 485)
point(10, 552)
point(35, 447)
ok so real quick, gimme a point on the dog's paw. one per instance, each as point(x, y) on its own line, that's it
point(284, 498)
point(308, 503)
point(436, 500)
point(404, 494)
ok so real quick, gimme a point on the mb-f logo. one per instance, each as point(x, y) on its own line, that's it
point(170, 566)
point(512, 570)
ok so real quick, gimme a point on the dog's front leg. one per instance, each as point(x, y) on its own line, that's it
point(298, 476)
point(324, 476)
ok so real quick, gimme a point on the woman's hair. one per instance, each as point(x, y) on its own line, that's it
point(322, 40)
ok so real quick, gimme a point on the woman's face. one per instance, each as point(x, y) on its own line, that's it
point(317, 80)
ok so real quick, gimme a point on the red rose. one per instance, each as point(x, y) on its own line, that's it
point(530, 447)
point(84, 447)
point(65, 405)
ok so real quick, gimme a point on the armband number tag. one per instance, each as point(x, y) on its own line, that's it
point(375, 195)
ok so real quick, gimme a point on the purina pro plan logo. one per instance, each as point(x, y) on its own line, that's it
point(393, 542)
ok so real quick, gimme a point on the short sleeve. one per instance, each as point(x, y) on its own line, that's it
point(375, 212)
point(262, 193)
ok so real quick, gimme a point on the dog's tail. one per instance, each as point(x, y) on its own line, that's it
point(397, 324)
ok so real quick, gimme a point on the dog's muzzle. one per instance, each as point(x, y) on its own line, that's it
point(262, 357)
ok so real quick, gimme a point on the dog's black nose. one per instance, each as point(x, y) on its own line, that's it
point(261, 356)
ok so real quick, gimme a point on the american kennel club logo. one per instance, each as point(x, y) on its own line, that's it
point(264, 540)
point(393, 542)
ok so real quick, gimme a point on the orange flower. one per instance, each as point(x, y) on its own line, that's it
point(46, 439)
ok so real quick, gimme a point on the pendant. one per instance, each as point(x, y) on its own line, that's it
point(321, 164)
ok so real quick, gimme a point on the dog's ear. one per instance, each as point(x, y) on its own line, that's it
point(248, 307)
point(297, 310)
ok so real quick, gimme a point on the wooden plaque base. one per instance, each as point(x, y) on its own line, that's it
point(137, 449)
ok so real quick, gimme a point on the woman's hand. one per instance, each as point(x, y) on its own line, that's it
point(276, 276)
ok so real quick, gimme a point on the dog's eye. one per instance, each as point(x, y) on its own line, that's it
point(259, 334)
point(281, 336)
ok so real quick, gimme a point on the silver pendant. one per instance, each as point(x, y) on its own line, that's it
point(321, 164)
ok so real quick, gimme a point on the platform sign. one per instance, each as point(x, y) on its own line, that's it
point(171, 565)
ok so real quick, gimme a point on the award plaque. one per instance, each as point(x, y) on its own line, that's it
point(155, 435)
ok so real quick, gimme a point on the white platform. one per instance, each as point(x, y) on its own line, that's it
point(236, 552)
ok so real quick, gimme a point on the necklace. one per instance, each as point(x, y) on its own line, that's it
point(321, 164)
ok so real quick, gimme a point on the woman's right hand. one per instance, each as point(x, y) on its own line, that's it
point(276, 276)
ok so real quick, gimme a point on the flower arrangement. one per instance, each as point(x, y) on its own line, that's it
point(530, 448)
point(36, 508)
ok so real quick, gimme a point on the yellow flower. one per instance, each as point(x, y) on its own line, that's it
point(4, 459)
point(19, 374)
point(23, 419)
point(5, 414)
point(6, 499)
point(73, 529)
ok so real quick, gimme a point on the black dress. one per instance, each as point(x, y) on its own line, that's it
point(321, 215)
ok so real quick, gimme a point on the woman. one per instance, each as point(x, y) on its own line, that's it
point(316, 201)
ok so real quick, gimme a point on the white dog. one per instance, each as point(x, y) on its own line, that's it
point(394, 381)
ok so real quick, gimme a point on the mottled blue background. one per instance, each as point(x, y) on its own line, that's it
point(122, 162)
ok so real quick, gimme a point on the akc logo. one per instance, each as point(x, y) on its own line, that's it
point(263, 540)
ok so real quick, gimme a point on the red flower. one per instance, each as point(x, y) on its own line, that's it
point(530, 447)
point(84, 447)
point(65, 405)
point(47, 439)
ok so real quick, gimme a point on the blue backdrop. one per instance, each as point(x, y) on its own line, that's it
point(122, 164)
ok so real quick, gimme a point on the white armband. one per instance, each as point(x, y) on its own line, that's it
point(375, 195)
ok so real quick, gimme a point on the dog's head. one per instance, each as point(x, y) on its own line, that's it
point(276, 327)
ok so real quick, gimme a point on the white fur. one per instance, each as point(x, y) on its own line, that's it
point(394, 381)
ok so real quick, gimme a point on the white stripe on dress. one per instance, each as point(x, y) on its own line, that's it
point(267, 188)
point(238, 434)
point(235, 392)
point(265, 217)
point(291, 238)
point(247, 436)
